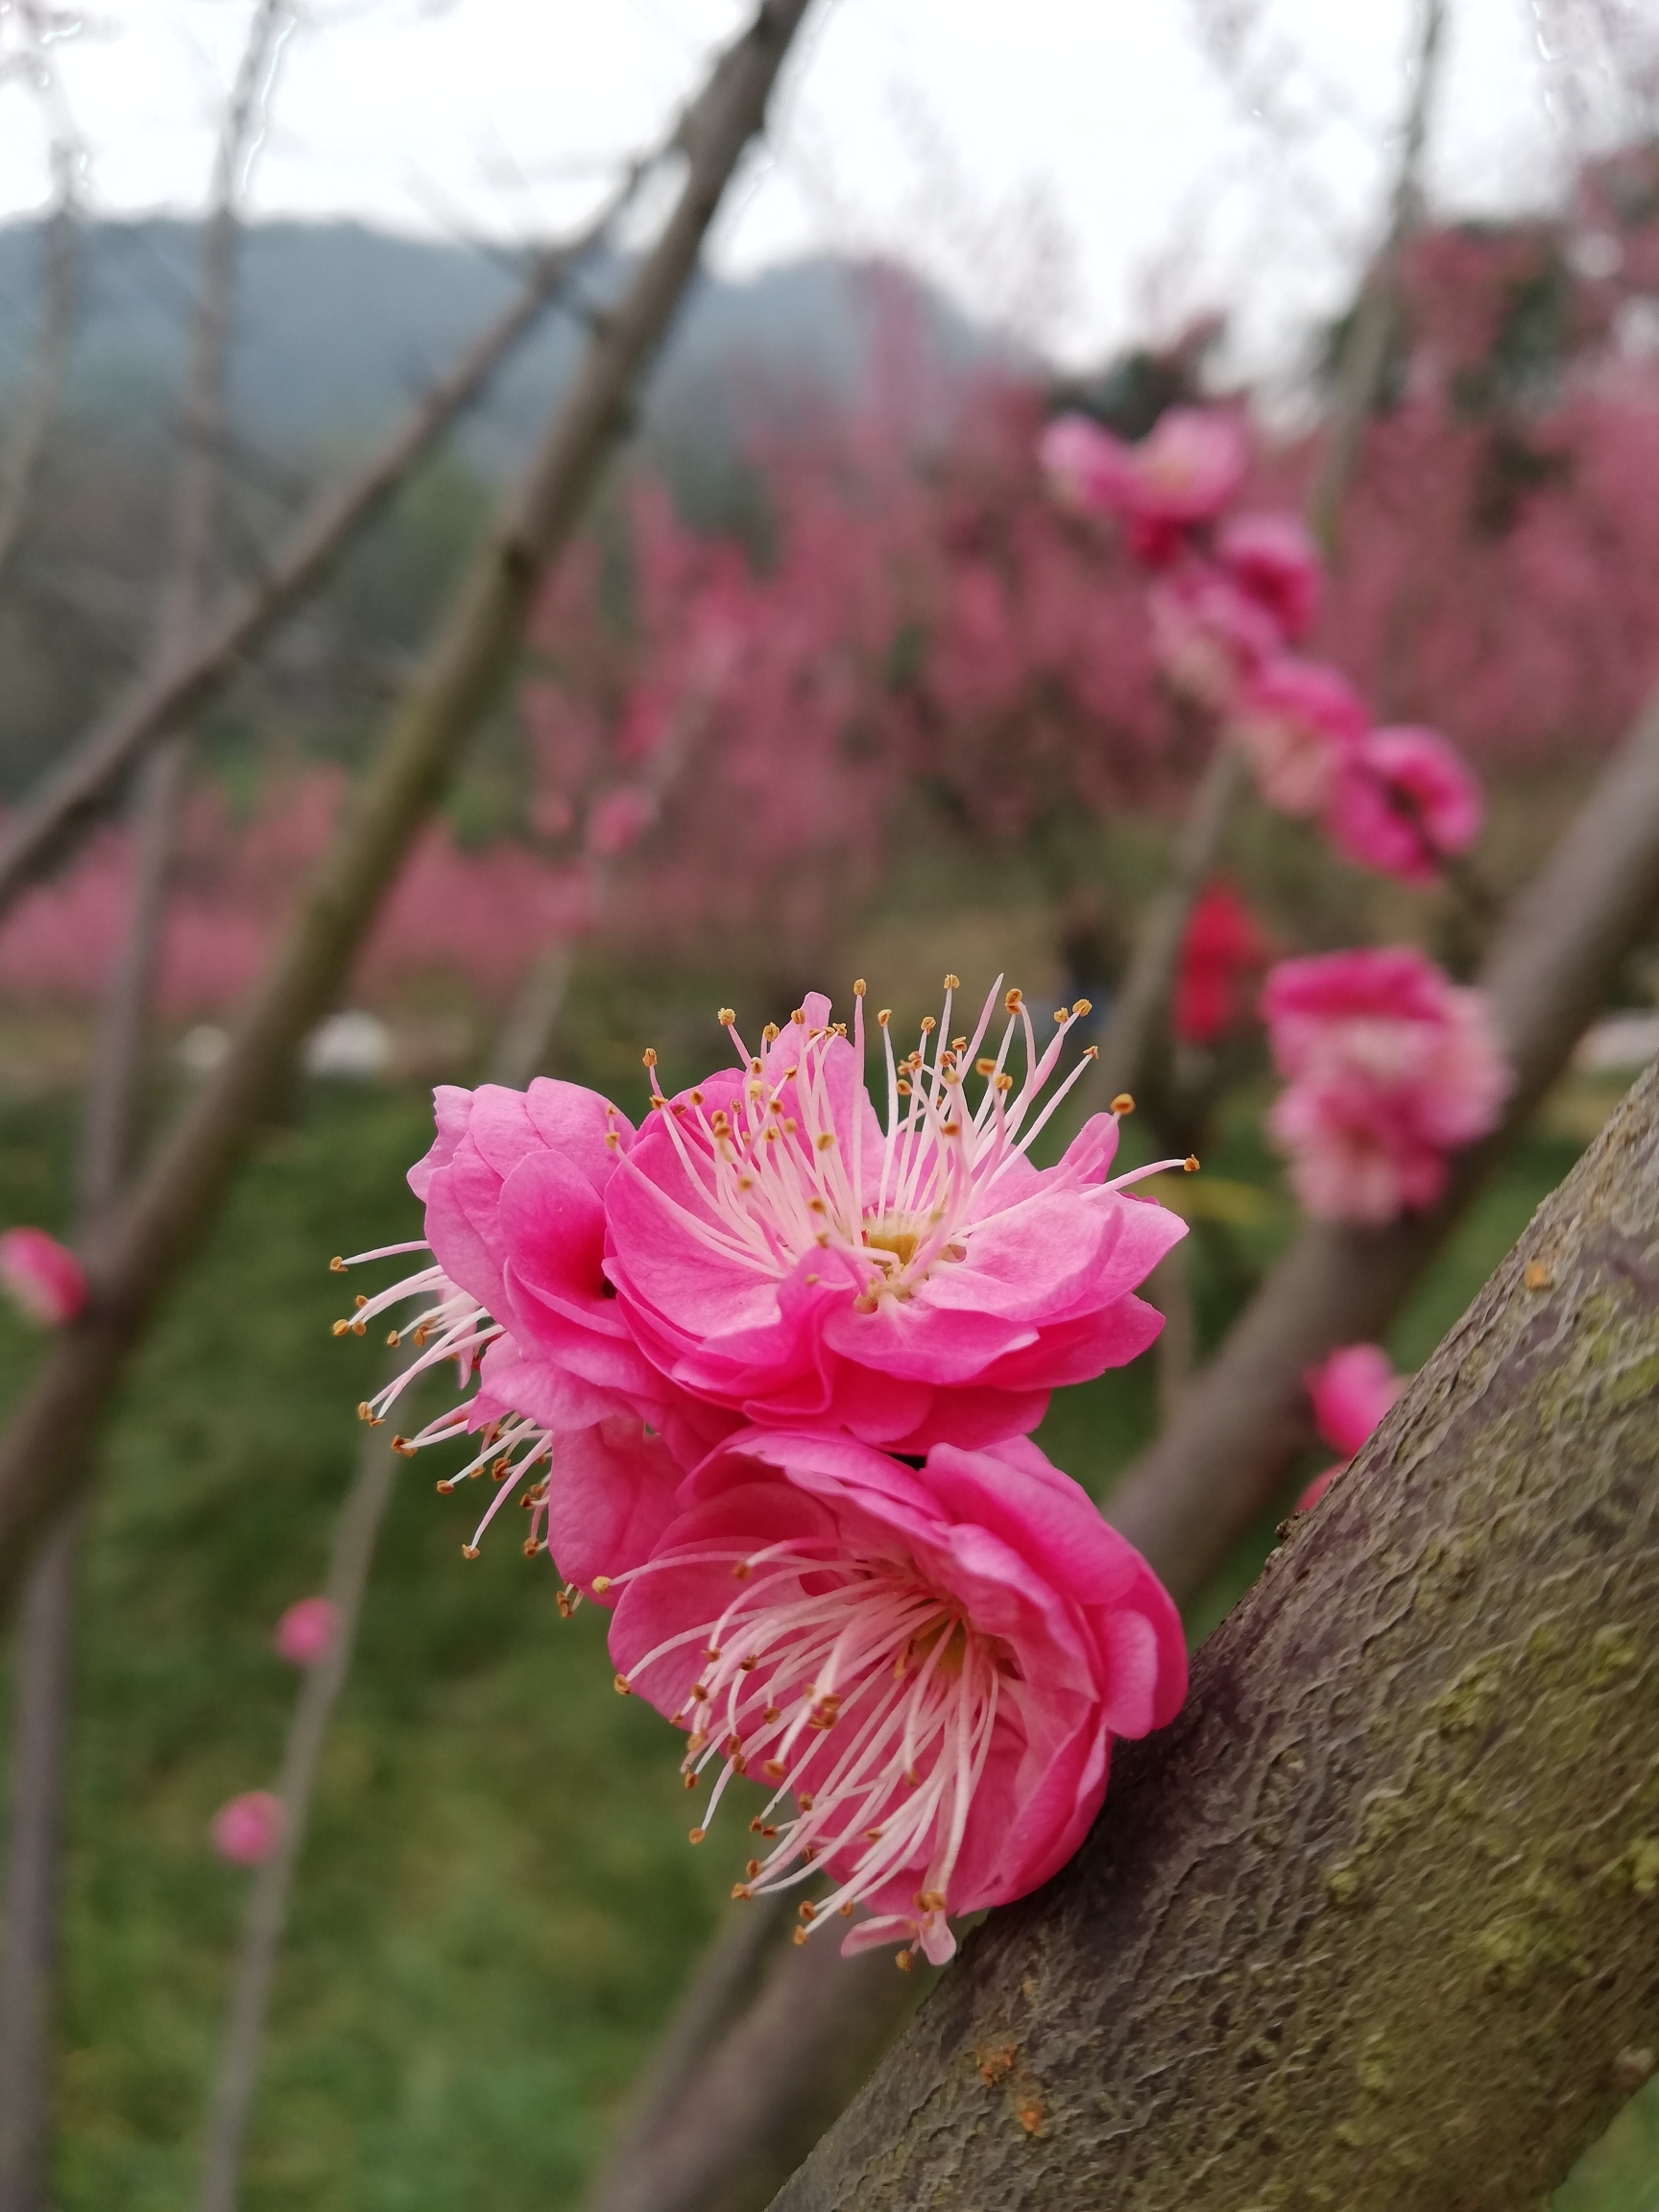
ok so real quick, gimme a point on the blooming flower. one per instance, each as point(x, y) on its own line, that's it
point(1405, 803)
point(1276, 563)
point(1390, 1068)
point(41, 1276)
point(1179, 476)
point(1350, 1393)
point(1207, 634)
point(1297, 722)
point(776, 1251)
point(305, 1632)
point(1221, 945)
point(246, 1830)
point(924, 1665)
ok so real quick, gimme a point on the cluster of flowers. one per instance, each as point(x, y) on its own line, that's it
point(762, 1372)
point(1233, 595)
point(1390, 1066)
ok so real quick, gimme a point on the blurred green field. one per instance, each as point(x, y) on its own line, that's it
point(497, 1901)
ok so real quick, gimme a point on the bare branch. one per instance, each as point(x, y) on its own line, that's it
point(168, 694)
point(1391, 1858)
point(1188, 1499)
point(43, 1451)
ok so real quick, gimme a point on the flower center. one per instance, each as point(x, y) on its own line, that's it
point(865, 1695)
point(779, 1172)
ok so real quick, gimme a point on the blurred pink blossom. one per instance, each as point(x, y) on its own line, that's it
point(619, 819)
point(1224, 944)
point(1297, 722)
point(1088, 467)
point(305, 1632)
point(1273, 560)
point(1207, 634)
point(1391, 1068)
point(246, 1830)
point(1188, 467)
point(1405, 803)
point(1350, 1394)
point(41, 1276)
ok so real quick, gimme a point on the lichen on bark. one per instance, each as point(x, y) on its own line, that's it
point(1376, 1924)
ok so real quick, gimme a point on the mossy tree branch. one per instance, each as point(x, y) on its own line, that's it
point(1376, 1923)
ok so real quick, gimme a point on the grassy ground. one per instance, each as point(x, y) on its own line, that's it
point(498, 1902)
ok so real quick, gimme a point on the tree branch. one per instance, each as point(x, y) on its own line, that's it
point(1370, 1925)
point(42, 1450)
point(176, 689)
point(1190, 1496)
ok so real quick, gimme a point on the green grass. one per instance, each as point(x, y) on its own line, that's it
point(497, 1903)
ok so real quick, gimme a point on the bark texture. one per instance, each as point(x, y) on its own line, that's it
point(1375, 1925)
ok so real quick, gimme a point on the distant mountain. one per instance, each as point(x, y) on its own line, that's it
point(338, 323)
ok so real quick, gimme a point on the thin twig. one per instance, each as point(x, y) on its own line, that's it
point(353, 1556)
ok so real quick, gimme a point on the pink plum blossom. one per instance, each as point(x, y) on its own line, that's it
point(246, 1830)
point(1390, 1065)
point(1223, 945)
point(1298, 722)
point(1272, 560)
point(1405, 803)
point(1350, 1394)
point(305, 1632)
point(778, 1252)
point(924, 1666)
point(1088, 467)
point(1187, 468)
point(1207, 634)
point(41, 1276)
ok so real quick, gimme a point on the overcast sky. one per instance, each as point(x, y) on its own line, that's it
point(1081, 168)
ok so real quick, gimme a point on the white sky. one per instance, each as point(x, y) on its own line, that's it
point(1076, 167)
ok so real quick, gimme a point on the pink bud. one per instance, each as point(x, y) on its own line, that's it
point(305, 1632)
point(42, 1275)
point(246, 1830)
point(1351, 1392)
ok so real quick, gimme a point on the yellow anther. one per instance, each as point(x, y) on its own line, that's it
point(904, 1961)
point(341, 1326)
point(929, 1024)
point(695, 1834)
point(858, 988)
point(1190, 1164)
point(1091, 1051)
point(601, 1583)
point(1061, 1015)
point(807, 1908)
point(741, 1571)
point(953, 982)
point(769, 1035)
point(649, 1056)
point(620, 1684)
point(468, 1550)
point(689, 1781)
point(337, 1265)
point(1122, 1103)
point(798, 1937)
point(751, 1868)
point(402, 1444)
point(1013, 1000)
point(1082, 1006)
point(392, 1337)
point(1004, 1081)
point(445, 1483)
point(739, 1893)
point(984, 1065)
point(846, 1911)
point(359, 1328)
point(799, 1016)
point(775, 1770)
point(533, 1545)
point(825, 1139)
point(365, 1411)
point(885, 1016)
point(725, 1015)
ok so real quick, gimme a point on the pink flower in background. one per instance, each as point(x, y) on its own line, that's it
point(1187, 467)
point(247, 1830)
point(1391, 1066)
point(305, 1632)
point(1223, 946)
point(1275, 562)
point(926, 1667)
point(41, 1276)
point(1298, 722)
point(1350, 1394)
point(774, 1250)
point(1406, 803)
point(1208, 636)
point(619, 819)
point(1086, 465)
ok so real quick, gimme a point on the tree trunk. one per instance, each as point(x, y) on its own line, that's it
point(1375, 1925)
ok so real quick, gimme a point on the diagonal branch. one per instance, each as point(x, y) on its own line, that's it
point(43, 1451)
point(1369, 1925)
point(176, 689)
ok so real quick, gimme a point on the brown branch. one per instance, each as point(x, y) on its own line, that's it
point(1370, 1925)
point(1188, 1499)
point(352, 1556)
point(174, 691)
point(44, 1449)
